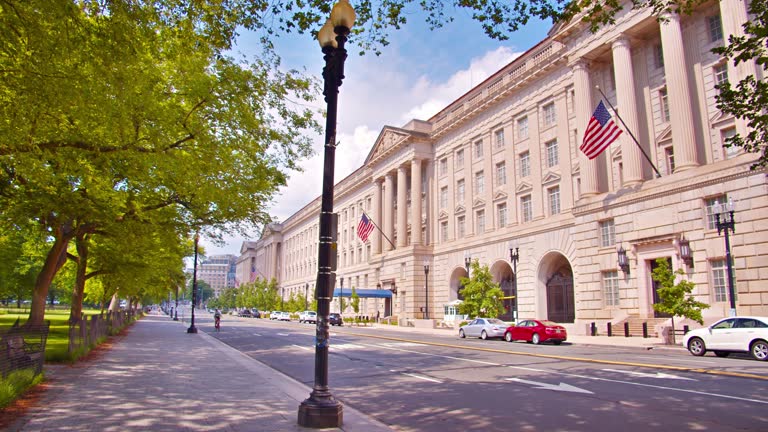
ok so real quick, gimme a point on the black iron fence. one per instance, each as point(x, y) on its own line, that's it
point(23, 347)
point(90, 330)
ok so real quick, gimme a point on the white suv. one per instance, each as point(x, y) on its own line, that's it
point(308, 317)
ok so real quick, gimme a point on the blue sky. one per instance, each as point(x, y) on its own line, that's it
point(416, 75)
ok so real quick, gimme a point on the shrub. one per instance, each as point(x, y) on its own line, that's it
point(16, 383)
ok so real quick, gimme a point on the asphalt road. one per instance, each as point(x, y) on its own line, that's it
point(420, 382)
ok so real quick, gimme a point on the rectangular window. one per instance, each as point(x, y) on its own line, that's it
point(443, 197)
point(480, 218)
point(498, 141)
point(443, 166)
point(479, 149)
point(522, 128)
point(501, 212)
point(719, 280)
point(664, 105)
point(479, 183)
point(611, 288)
point(552, 157)
point(669, 159)
point(658, 56)
point(461, 228)
point(730, 151)
point(721, 73)
point(549, 114)
point(444, 231)
point(501, 173)
point(715, 28)
point(460, 192)
point(525, 164)
point(526, 208)
point(709, 208)
point(554, 200)
point(459, 159)
point(607, 233)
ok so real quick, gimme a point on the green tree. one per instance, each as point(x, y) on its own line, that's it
point(675, 298)
point(355, 301)
point(482, 296)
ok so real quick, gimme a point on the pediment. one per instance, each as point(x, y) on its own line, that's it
point(499, 195)
point(720, 117)
point(523, 187)
point(576, 170)
point(442, 215)
point(391, 139)
point(478, 203)
point(550, 177)
point(615, 151)
point(665, 135)
point(459, 209)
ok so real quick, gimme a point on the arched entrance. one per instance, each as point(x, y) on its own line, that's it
point(556, 275)
point(454, 293)
point(502, 275)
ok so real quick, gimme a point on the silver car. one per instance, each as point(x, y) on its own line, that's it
point(484, 328)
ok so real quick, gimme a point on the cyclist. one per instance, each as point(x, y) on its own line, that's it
point(217, 320)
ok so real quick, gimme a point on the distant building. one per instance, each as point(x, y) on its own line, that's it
point(501, 166)
point(218, 271)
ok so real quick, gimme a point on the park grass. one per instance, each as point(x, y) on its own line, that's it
point(16, 383)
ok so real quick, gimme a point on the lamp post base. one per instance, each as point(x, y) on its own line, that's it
point(321, 415)
point(192, 330)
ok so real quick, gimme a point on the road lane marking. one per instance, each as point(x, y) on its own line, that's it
point(418, 376)
point(576, 359)
point(304, 348)
point(283, 334)
point(257, 334)
point(650, 375)
point(563, 387)
point(686, 360)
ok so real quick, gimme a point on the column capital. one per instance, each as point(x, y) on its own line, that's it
point(579, 63)
point(621, 40)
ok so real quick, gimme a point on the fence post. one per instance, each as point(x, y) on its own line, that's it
point(593, 328)
point(686, 329)
point(626, 329)
point(610, 330)
point(645, 329)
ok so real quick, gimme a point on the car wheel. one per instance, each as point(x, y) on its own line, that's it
point(722, 353)
point(461, 334)
point(696, 347)
point(759, 350)
point(483, 335)
point(535, 339)
point(508, 336)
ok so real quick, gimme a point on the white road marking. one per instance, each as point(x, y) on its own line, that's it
point(418, 376)
point(563, 387)
point(257, 334)
point(650, 375)
point(342, 347)
point(283, 334)
point(680, 360)
point(304, 348)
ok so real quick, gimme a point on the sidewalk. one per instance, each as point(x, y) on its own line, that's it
point(159, 378)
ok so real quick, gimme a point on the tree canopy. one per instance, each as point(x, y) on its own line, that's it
point(482, 296)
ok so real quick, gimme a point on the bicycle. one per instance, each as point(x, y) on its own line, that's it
point(217, 323)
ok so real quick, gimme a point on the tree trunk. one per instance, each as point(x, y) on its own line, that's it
point(673, 331)
point(53, 262)
point(81, 242)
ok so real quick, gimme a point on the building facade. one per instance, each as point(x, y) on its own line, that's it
point(499, 169)
point(218, 271)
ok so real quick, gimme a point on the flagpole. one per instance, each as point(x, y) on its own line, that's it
point(377, 227)
point(658, 174)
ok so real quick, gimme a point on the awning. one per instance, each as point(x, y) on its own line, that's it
point(363, 293)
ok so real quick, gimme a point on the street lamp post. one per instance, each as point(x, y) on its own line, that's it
point(192, 328)
point(341, 295)
point(514, 255)
point(426, 288)
point(306, 296)
point(321, 409)
point(724, 221)
point(176, 308)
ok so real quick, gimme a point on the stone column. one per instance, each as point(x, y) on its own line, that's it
point(376, 240)
point(733, 14)
point(416, 202)
point(389, 199)
point(627, 101)
point(678, 94)
point(402, 206)
point(583, 104)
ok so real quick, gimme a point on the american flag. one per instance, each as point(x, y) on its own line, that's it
point(253, 273)
point(601, 132)
point(364, 228)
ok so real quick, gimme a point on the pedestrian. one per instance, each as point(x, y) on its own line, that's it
point(377, 316)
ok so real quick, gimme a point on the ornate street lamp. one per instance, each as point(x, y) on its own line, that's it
point(321, 409)
point(685, 251)
point(514, 256)
point(623, 259)
point(724, 221)
point(341, 295)
point(467, 261)
point(176, 308)
point(192, 328)
point(426, 288)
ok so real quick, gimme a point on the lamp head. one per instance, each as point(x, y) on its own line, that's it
point(326, 36)
point(342, 14)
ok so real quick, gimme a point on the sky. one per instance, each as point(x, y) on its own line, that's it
point(416, 75)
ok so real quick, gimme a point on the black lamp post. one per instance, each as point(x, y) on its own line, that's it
point(321, 409)
point(426, 288)
point(176, 308)
point(685, 251)
point(514, 255)
point(192, 328)
point(341, 295)
point(724, 221)
point(467, 261)
point(306, 296)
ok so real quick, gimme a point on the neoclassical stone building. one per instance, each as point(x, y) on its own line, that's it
point(500, 166)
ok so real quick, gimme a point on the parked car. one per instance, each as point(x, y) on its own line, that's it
point(536, 331)
point(255, 313)
point(335, 319)
point(483, 328)
point(245, 313)
point(274, 315)
point(308, 317)
point(733, 334)
point(284, 316)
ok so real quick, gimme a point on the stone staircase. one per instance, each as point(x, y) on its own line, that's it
point(636, 326)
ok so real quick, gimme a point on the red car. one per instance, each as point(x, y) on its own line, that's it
point(536, 331)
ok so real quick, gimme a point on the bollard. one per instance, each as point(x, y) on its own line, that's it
point(645, 329)
point(626, 329)
point(594, 329)
point(686, 329)
point(610, 330)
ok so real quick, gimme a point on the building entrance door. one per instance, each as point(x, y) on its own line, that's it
point(560, 302)
point(652, 265)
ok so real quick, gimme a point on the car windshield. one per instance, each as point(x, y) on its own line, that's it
point(496, 321)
